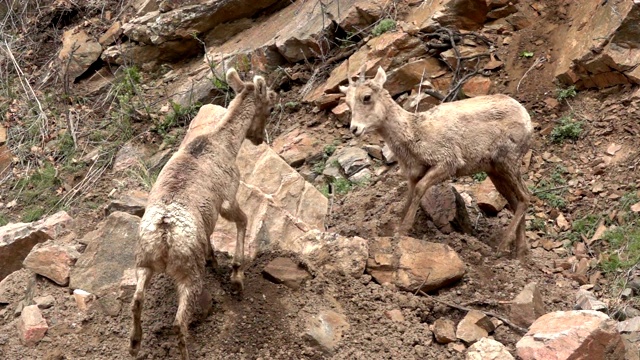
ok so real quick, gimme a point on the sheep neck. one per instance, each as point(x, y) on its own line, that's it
point(398, 128)
point(237, 121)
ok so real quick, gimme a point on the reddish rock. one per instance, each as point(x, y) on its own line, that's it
point(410, 75)
point(527, 306)
point(477, 86)
point(52, 261)
point(342, 112)
point(462, 14)
point(488, 198)
point(444, 331)
point(412, 264)
point(295, 147)
point(17, 239)
point(79, 51)
point(283, 270)
point(111, 35)
point(447, 209)
point(31, 325)
point(326, 329)
point(565, 335)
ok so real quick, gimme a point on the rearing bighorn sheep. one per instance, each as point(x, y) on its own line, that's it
point(199, 182)
point(485, 133)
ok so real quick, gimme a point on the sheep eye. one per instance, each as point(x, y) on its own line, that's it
point(366, 99)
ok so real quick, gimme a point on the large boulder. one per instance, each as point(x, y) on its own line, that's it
point(17, 239)
point(578, 334)
point(110, 250)
point(601, 46)
point(280, 205)
point(412, 264)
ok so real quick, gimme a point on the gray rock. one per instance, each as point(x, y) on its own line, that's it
point(326, 328)
point(133, 203)
point(351, 160)
point(283, 270)
point(109, 252)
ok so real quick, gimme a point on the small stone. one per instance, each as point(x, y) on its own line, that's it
point(44, 302)
point(394, 315)
point(283, 270)
point(635, 207)
point(488, 198)
point(613, 149)
point(374, 151)
point(326, 329)
point(626, 293)
point(52, 261)
point(527, 306)
point(630, 325)
point(133, 203)
point(585, 300)
point(389, 156)
point(31, 325)
point(83, 299)
point(488, 349)
point(562, 222)
point(473, 327)
point(444, 331)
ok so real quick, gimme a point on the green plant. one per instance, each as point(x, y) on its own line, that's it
point(324, 190)
point(4, 220)
point(145, 176)
point(383, 26)
point(341, 186)
point(39, 188)
point(32, 214)
point(318, 167)
point(567, 129)
point(584, 227)
point(179, 115)
point(479, 177)
point(329, 149)
point(526, 54)
point(567, 93)
point(537, 224)
point(624, 248)
point(549, 191)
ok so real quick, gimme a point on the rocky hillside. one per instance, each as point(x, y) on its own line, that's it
point(96, 96)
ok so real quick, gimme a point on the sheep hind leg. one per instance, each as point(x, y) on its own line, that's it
point(186, 296)
point(143, 277)
point(511, 187)
point(235, 214)
point(434, 175)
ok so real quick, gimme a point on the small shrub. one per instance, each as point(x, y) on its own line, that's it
point(329, 149)
point(624, 248)
point(479, 177)
point(318, 167)
point(567, 129)
point(342, 186)
point(567, 93)
point(526, 54)
point(537, 225)
point(179, 115)
point(32, 214)
point(4, 220)
point(383, 26)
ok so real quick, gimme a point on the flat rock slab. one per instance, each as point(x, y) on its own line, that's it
point(134, 203)
point(412, 264)
point(488, 349)
point(13, 287)
point(285, 271)
point(578, 334)
point(473, 327)
point(527, 306)
point(444, 331)
point(109, 252)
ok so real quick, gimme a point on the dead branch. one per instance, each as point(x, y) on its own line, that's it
point(464, 308)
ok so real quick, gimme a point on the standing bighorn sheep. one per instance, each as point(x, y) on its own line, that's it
point(199, 182)
point(485, 133)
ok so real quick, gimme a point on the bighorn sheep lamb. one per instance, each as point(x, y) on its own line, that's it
point(485, 133)
point(199, 182)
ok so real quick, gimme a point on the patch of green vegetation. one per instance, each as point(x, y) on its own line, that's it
point(624, 248)
point(550, 190)
point(342, 186)
point(293, 105)
point(567, 93)
point(567, 129)
point(526, 54)
point(383, 26)
point(480, 177)
point(4, 220)
point(39, 189)
point(145, 176)
point(329, 149)
point(32, 214)
point(537, 224)
point(179, 115)
point(584, 227)
point(318, 167)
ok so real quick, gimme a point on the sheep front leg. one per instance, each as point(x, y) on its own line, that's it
point(434, 175)
point(235, 214)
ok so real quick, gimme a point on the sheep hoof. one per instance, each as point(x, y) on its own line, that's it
point(237, 280)
point(134, 347)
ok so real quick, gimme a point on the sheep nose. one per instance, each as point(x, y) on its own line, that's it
point(354, 129)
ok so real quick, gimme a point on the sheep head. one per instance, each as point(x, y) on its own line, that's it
point(363, 99)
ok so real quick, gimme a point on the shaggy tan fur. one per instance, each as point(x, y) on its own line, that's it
point(486, 133)
point(199, 182)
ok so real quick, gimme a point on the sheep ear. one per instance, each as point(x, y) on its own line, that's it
point(261, 86)
point(233, 79)
point(343, 89)
point(381, 77)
